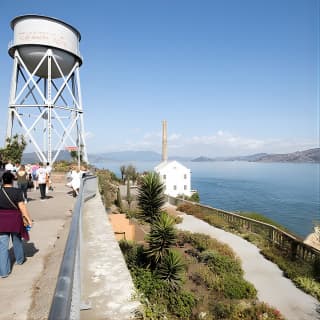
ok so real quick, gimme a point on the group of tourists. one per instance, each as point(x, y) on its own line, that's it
point(14, 216)
point(15, 219)
point(30, 176)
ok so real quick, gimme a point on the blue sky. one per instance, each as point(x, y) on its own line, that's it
point(230, 77)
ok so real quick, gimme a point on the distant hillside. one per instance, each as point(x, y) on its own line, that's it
point(310, 155)
point(125, 156)
point(130, 156)
point(31, 157)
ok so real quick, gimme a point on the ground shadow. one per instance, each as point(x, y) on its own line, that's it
point(29, 251)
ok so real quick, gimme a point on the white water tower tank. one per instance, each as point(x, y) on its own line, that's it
point(35, 34)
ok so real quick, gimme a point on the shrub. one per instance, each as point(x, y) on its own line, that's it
point(258, 311)
point(216, 221)
point(172, 269)
point(178, 220)
point(189, 208)
point(134, 254)
point(316, 268)
point(193, 198)
point(181, 304)
point(150, 196)
point(203, 275)
point(162, 236)
point(235, 287)
point(203, 242)
point(221, 264)
point(152, 287)
point(309, 286)
point(62, 166)
point(222, 310)
point(159, 299)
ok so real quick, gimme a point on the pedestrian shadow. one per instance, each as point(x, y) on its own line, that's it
point(29, 249)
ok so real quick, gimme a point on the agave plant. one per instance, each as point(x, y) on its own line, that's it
point(150, 196)
point(161, 237)
point(172, 269)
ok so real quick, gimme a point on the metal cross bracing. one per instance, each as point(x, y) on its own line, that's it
point(46, 111)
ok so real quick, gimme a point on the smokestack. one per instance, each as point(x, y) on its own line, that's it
point(164, 141)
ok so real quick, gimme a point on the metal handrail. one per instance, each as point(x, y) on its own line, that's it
point(64, 295)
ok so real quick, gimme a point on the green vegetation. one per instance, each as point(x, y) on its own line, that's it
point(150, 196)
point(180, 275)
point(108, 187)
point(129, 197)
point(13, 150)
point(171, 269)
point(62, 166)
point(65, 166)
point(206, 280)
point(304, 274)
point(118, 201)
point(195, 197)
point(162, 236)
point(128, 173)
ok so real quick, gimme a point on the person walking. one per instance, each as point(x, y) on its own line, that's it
point(42, 181)
point(34, 169)
point(12, 209)
point(22, 179)
point(76, 181)
point(9, 166)
point(49, 183)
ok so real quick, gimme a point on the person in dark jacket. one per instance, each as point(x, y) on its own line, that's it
point(12, 208)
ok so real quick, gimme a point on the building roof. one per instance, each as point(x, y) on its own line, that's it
point(165, 164)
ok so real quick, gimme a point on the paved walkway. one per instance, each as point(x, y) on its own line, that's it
point(267, 278)
point(27, 292)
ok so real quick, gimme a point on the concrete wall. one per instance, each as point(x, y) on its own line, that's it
point(107, 284)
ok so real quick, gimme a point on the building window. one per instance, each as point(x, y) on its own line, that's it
point(164, 177)
point(174, 187)
point(185, 176)
point(185, 187)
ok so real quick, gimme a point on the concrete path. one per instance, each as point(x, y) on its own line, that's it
point(107, 285)
point(27, 292)
point(267, 278)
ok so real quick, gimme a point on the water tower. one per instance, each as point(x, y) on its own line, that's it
point(45, 103)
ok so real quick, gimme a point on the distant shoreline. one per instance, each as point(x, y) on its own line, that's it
point(307, 156)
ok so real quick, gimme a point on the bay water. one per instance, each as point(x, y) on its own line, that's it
point(288, 193)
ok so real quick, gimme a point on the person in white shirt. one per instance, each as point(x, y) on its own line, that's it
point(42, 180)
point(75, 182)
point(9, 166)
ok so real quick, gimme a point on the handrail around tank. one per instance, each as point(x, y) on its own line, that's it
point(66, 299)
